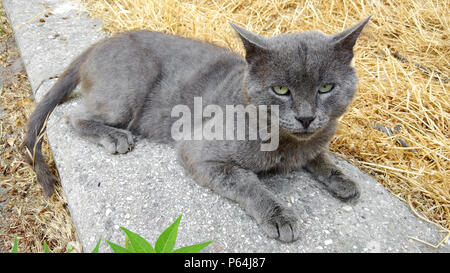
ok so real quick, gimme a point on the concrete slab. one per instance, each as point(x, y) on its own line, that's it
point(146, 190)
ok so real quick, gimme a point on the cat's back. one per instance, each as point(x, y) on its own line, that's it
point(174, 50)
point(187, 69)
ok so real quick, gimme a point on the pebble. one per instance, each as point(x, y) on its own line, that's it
point(328, 242)
point(347, 208)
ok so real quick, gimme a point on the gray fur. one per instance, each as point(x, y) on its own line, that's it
point(132, 81)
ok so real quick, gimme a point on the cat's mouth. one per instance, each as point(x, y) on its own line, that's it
point(298, 133)
point(303, 135)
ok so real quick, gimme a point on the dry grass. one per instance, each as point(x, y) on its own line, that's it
point(402, 60)
point(26, 213)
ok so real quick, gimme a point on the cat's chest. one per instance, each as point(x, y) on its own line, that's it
point(290, 156)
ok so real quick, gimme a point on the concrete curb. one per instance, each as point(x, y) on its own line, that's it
point(146, 189)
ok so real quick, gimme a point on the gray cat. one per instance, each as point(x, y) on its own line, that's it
point(131, 82)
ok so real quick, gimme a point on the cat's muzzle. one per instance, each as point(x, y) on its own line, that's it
point(305, 135)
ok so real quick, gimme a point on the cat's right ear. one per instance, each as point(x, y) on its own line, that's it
point(345, 41)
point(254, 44)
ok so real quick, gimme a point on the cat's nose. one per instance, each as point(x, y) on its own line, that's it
point(305, 121)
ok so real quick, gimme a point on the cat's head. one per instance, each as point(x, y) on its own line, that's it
point(308, 75)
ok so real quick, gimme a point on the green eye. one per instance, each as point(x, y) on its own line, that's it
point(326, 88)
point(280, 90)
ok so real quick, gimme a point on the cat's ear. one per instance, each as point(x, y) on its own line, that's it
point(345, 41)
point(253, 44)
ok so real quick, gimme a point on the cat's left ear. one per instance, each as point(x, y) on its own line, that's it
point(345, 41)
point(254, 44)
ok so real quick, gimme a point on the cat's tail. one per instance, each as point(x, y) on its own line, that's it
point(38, 120)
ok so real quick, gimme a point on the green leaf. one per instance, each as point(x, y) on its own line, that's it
point(128, 244)
point(46, 250)
point(193, 248)
point(15, 249)
point(116, 248)
point(69, 248)
point(135, 243)
point(166, 240)
point(95, 250)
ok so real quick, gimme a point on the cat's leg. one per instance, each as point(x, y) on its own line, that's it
point(115, 84)
point(114, 140)
point(337, 183)
point(243, 186)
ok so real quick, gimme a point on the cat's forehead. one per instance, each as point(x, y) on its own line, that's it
point(312, 40)
point(306, 54)
point(300, 60)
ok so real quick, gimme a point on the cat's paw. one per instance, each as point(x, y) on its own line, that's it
point(343, 187)
point(282, 224)
point(118, 141)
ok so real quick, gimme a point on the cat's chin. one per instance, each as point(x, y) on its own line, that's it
point(302, 135)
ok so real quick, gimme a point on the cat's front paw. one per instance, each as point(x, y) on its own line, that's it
point(118, 141)
point(281, 223)
point(343, 187)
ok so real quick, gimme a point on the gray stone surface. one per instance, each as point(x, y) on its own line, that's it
point(146, 190)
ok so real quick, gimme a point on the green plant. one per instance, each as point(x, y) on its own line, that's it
point(165, 243)
point(15, 248)
point(134, 243)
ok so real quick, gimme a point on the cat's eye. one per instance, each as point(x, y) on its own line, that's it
point(326, 88)
point(280, 90)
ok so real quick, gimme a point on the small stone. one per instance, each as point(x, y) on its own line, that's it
point(328, 242)
point(218, 248)
point(108, 212)
point(347, 208)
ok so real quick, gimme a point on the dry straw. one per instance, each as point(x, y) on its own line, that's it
point(397, 129)
point(25, 212)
